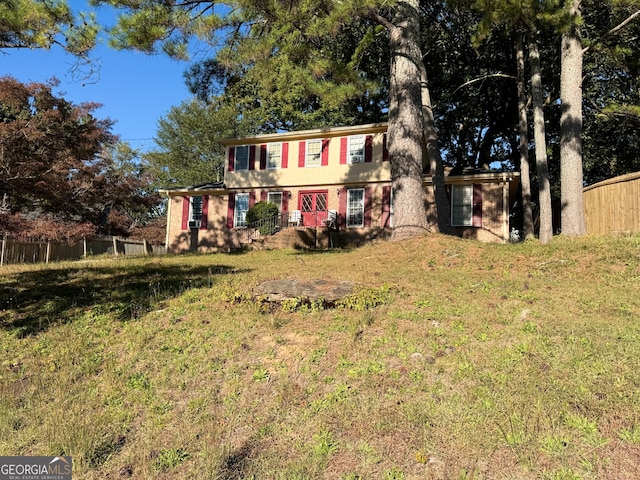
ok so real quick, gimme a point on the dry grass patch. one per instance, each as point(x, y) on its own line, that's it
point(479, 361)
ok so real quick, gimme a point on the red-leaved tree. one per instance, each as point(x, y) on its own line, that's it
point(59, 178)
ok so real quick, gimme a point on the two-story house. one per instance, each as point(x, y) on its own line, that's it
point(326, 180)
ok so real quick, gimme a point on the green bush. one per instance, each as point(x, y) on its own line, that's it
point(263, 211)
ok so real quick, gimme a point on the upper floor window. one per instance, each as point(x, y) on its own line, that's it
point(355, 207)
point(195, 211)
point(314, 153)
point(241, 161)
point(274, 155)
point(356, 149)
point(462, 205)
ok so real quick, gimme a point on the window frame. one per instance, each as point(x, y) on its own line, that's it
point(269, 194)
point(239, 216)
point(355, 211)
point(236, 164)
point(462, 205)
point(307, 154)
point(196, 203)
point(268, 160)
point(351, 151)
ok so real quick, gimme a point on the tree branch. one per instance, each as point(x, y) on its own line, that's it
point(481, 79)
point(620, 26)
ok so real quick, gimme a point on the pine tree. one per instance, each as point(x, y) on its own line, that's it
point(298, 35)
point(571, 177)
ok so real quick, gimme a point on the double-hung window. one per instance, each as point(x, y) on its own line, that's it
point(356, 150)
point(462, 205)
point(274, 155)
point(314, 153)
point(276, 198)
point(242, 157)
point(355, 207)
point(240, 210)
point(195, 211)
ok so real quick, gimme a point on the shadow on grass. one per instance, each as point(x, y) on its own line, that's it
point(238, 462)
point(31, 302)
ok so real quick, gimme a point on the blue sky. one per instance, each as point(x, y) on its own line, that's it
point(135, 89)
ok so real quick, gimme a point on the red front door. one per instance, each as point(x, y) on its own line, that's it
point(313, 206)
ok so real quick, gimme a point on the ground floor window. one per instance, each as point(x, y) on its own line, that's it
point(462, 205)
point(276, 198)
point(240, 210)
point(355, 207)
point(195, 211)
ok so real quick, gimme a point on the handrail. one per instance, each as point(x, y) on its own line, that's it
point(266, 226)
point(270, 226)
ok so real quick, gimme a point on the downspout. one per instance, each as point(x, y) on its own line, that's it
point(505, 209)
point(166, 237)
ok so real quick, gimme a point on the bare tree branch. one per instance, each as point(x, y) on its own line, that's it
point(483, 78)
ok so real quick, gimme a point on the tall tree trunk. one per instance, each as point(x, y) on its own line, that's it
point(571, 178)
point(405, 123)
point(539, 135)
point(525, 174)
point(435, 158)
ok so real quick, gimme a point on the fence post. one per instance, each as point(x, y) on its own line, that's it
point(115, 246)
point(4, 246)
point(144, 246)
point(48, 251)
point(84, 247)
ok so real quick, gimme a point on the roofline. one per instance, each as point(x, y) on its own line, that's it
point(449, 179)
point(495, 176)
point(307, 134)
point(203, 188)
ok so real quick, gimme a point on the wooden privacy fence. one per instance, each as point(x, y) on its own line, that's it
point(13, 251)
point(613, 206)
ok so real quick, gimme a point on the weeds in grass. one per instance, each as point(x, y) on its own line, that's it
point(366, 298)
point(490, 355)
point(260, 374)
point(170, 458)
point(631, 435)
point(394, 474)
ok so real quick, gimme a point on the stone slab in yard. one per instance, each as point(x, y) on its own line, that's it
point(328, 290)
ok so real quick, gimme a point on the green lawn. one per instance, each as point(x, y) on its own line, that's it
point(453, 360)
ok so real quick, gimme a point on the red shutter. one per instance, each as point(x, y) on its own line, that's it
point(231, 209)
point(385, 149)
point(252, 199)
point(301, 154)
point(252, 157)
point(386, 206)
point(285, 201)
point(477, 205)
point(325, 152)
point(344, 142)
point(342, 208)
point(205, 212)
point(368, 148)
point(185, 213)
point(367, 206)
point(263, 196)
point(232, 156)
point(285, 155)
point(263, 157)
